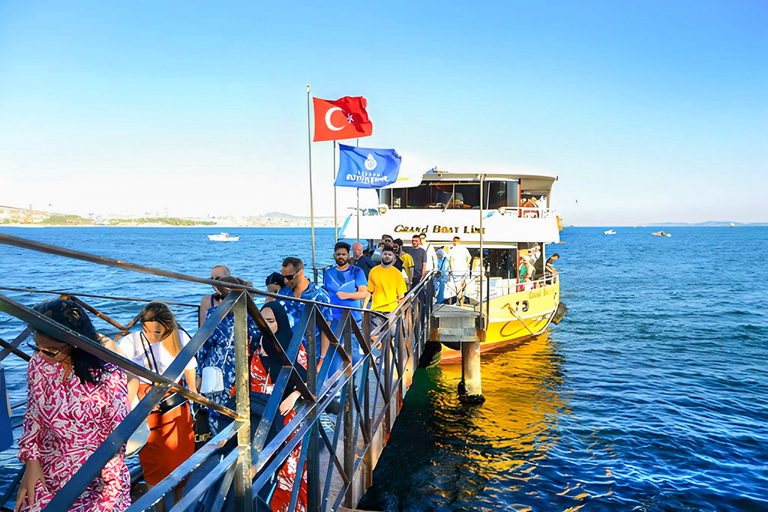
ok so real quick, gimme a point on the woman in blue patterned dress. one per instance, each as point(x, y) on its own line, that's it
point(218, 353)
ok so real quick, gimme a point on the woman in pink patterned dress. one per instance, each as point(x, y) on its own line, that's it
point(75, 401)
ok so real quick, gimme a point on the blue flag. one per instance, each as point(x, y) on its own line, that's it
point(366, 167)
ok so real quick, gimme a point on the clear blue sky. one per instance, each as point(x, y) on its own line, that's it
point(647, 111)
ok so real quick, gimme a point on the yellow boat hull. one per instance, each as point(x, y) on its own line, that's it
point(514, 318)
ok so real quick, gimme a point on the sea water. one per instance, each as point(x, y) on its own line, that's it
point(651, 395)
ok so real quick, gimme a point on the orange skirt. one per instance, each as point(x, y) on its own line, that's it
point(171, 441)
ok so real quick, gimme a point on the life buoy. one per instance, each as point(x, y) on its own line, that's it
point(530, 214)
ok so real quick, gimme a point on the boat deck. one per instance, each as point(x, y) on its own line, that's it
point(453, 311)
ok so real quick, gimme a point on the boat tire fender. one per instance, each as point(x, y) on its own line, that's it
point(562, 309)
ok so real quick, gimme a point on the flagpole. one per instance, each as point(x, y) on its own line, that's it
point(358, 213)
point(357, 144)
point(311, 197)
point(335, 222)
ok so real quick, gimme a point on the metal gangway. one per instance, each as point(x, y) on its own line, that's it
point(230, 470)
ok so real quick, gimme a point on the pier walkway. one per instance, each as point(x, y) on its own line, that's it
point(230, 470)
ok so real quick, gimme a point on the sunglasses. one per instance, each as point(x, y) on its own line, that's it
point(43, 351)
point(290, 276)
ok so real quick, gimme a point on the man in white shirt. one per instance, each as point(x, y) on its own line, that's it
point(460, 259)
point(431, 254)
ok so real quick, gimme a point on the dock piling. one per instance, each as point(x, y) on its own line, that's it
point(454, 325)
point(470, 389)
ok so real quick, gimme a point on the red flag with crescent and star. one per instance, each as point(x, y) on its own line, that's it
point(344, 118)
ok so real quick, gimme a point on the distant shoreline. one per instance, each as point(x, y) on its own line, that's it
point(212, 228)
point(329, 225)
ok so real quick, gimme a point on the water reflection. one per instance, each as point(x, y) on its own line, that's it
point(444, 455)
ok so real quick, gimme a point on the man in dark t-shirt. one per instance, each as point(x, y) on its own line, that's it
point(419, 256)
point(361, 260)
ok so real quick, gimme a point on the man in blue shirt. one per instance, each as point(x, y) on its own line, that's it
point(346, 286)
point(297, 285)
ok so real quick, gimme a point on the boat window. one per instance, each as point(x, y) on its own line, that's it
point(500, 194)
point(419, 197)
point(385, 196)
point(466, 196)
point(501, 263)
point(398, 197)
point(433, 195)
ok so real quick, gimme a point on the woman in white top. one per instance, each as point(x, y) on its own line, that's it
point(171, 439)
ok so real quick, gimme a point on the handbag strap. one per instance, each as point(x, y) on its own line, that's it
point(148, 353)
point(229, 347)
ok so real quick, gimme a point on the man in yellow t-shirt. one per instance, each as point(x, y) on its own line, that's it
point(386, 283)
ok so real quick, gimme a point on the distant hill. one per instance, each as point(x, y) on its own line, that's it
point(281, 215)
point(708, 224)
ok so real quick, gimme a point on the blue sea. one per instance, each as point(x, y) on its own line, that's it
point(651, 395)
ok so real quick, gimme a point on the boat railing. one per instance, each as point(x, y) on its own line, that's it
point(242, 459)
point(526, 212)
point(318, 271)
point(467, 287)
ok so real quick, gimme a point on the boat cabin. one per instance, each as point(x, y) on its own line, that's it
point(512, 213)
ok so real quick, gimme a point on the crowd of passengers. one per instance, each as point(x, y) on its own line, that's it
point(76, 400)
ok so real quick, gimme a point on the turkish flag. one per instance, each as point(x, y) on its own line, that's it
point(344, 118)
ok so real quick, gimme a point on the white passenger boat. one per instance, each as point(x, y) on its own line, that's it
point(224, 237)
point(609, 232)
point(518, 223)
point(661, 233)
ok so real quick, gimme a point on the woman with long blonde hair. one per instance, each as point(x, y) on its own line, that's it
point(171, 439)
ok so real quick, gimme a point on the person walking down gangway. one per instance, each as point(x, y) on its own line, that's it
point(171, 432)
point(214, 299)
point(419, 256)
point(274, 284)
point(346, 286)
point(386, 285)
point(299, 286)
point(359, 259)
point(443, 274)
point(459, 259)
point(405, 261)
point(75, 401)
point(265, 369)
point(216, 358)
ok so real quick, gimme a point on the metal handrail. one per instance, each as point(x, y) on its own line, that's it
point(92, 296)
point(124, 265)
point(472, 285)
point(371, 390)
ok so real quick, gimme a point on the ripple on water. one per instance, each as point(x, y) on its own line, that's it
point(646, 397)
point(649, 396)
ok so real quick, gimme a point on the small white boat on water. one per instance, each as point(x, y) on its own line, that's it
point(661, 233)
point(609, 232)
point(224, 237)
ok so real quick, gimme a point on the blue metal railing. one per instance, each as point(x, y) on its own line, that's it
point(237, 463)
